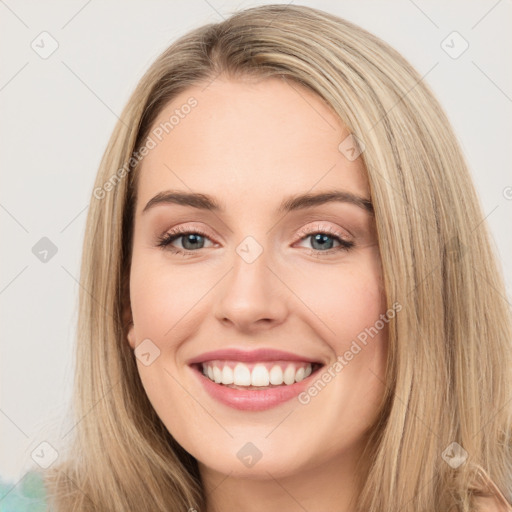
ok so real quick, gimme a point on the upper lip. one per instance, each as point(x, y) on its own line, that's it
point(261, 354)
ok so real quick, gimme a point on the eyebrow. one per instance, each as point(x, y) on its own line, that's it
point(292, 203)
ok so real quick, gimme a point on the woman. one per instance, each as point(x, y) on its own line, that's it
point(337, 339)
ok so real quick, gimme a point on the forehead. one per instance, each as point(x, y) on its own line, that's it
point(248, 141)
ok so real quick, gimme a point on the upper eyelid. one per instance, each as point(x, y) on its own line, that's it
point(325, 229)
point(303, 232)
point(344, 244)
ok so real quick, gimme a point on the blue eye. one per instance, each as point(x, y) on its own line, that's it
point(322, 240)
point(195, 239)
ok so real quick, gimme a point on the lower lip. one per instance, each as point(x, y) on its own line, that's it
point(253, 400)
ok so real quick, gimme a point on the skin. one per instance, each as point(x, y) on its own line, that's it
point(250, 144)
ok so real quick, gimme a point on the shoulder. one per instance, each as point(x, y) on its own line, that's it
point(26, 495)
point(486, 495)
point(491, 504)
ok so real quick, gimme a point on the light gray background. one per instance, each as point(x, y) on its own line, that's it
point(58, 113)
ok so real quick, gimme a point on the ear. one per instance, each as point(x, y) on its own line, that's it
point(130, 335)
point(129, 328)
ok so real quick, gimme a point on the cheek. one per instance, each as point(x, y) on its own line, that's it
point(162, 302)
point(344, 301)
point(346, 307)
point(163, 297)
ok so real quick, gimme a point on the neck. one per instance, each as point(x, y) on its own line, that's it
point(332, 485)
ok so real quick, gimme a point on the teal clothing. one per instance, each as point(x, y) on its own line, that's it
point(28, 495)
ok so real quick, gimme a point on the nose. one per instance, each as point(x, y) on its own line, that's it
point(252, 297)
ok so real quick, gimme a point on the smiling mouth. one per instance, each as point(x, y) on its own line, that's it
point(256, 376)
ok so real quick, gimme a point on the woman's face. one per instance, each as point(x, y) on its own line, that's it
point(262, 272)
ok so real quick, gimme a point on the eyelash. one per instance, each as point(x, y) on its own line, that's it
point(166, 239)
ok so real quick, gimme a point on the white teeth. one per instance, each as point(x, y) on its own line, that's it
point(217, 375)
point(300, 374)
point(276, 375)
point(241, 375)
point(227, 375)
point(289, 375)
point(260, 376)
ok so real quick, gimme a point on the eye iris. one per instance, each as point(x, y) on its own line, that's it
point(191, 237)
point(193, 240)
point(323, 240)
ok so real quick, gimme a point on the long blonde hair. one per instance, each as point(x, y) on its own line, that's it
point(448, 374)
